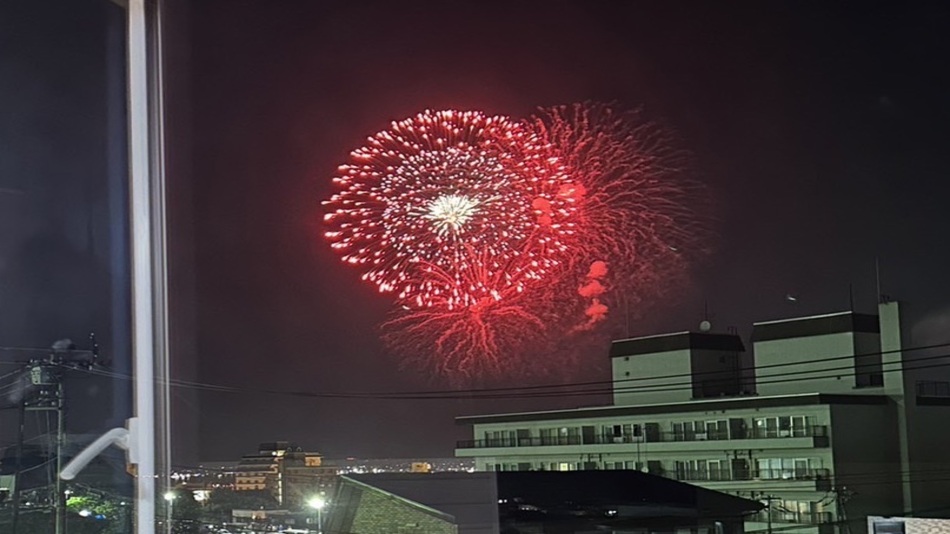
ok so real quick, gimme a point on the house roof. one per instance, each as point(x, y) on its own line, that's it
point(656, 495)
point(473, 498)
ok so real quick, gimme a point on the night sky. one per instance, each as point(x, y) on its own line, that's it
point(821, 131)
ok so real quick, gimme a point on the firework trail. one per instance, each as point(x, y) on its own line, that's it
point(495, 236)
point(638, 216)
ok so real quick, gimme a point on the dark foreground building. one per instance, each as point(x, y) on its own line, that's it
point(534, 502)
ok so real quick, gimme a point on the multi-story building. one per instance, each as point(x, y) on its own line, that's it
point(285, 470)
point(840, 417)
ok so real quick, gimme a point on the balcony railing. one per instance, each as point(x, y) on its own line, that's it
point(780, 516)
point(726, 474)
point(647, 437)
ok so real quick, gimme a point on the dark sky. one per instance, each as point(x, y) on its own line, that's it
point(821, 130)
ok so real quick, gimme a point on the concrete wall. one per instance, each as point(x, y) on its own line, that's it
point(867, 361)
point(800, 355)
point(644, 389)
point(715, 373)
point(923, 431)
point(867, 461)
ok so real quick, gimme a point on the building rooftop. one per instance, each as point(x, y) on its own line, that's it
point(733, 403)
point(815, 325)
point(676, 341)
point(559, 496)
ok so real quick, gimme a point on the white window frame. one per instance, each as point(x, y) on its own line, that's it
point(149, 425)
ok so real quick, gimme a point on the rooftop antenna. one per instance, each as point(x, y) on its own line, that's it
point(877, 278)
point(626, 313)
point(705, 325)
point(881, 297)
point(851, 296)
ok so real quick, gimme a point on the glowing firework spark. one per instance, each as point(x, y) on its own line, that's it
point(636, 212)
point(449, 213)
point(495, 235)
point(449, 209)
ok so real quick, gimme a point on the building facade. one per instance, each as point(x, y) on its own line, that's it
point(838, 419)
point(285, 470)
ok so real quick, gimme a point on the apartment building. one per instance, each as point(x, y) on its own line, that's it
point(829, 419)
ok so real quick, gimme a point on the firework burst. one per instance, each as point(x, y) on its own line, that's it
point(449, 210)
point(639, 219)
point(494, 235)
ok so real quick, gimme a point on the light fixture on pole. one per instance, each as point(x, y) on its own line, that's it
point(318, 503)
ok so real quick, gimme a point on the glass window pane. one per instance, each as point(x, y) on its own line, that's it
point(64, 259)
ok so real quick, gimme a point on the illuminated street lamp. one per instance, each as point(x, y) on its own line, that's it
point(317, 503)
point(170, 497)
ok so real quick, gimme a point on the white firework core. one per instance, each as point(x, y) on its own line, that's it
point(449, 213)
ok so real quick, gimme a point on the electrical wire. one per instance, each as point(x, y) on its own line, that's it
point(526, 391)
point(684, 386)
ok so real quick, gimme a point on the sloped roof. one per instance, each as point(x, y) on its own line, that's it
point(473, 497)
point(619, 488)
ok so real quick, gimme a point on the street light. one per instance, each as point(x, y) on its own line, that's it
point(170, 497)
point(317, 503)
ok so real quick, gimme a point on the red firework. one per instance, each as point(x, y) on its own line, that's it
point(496, 236)
point(638, 218)
point(449, 210)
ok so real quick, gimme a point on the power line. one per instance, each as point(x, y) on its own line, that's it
point(526, 391)
point(689, 375)
point(685, 386)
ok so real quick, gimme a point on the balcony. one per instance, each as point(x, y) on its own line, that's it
point(801, 518)
point(819, 433)
point(817, 479)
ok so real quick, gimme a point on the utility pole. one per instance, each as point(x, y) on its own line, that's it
point(768, 511)
point(19, 465)
point(46, 394)
point(842, 496)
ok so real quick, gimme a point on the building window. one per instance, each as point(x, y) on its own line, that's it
point(805, 512)
point(692, 470)
point(501, 438)
point(719, 470)
point(569, 435)
point(718, 429)
point(638, 466)
point(782, 426)
point(701, 430)
point(787, 468)
point(622, 433)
